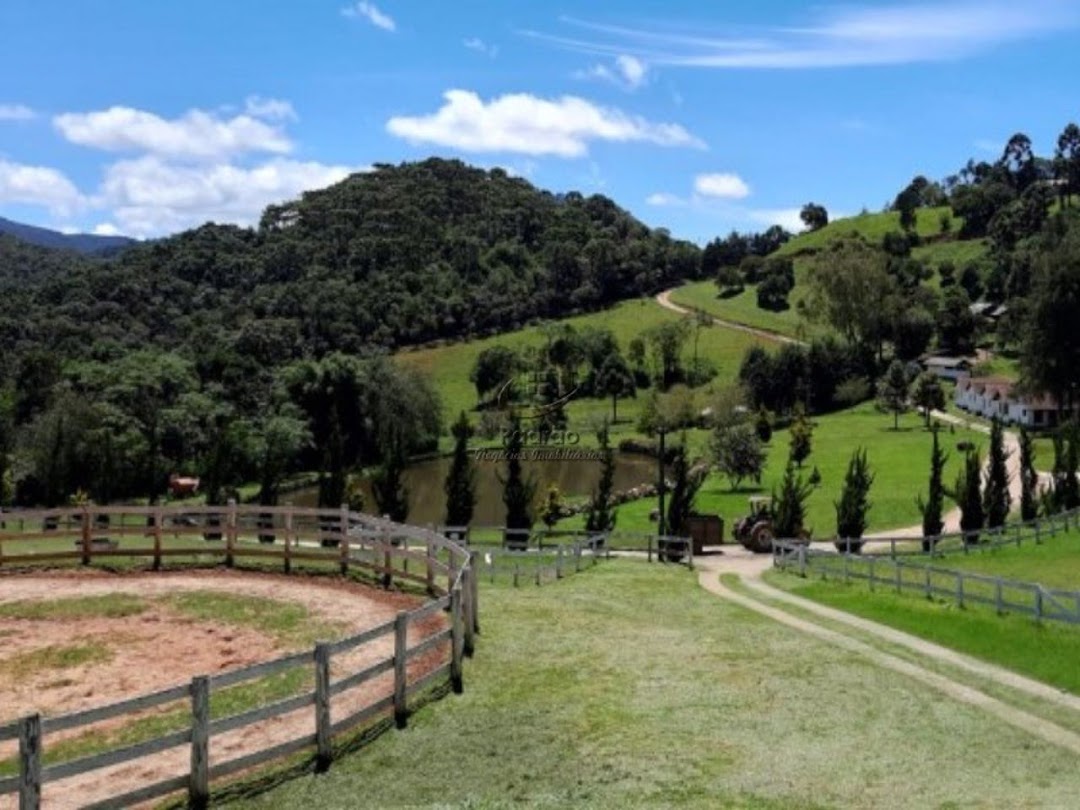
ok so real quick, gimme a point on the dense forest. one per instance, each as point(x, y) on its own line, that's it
point(243, 352)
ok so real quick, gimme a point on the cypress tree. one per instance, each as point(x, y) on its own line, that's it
point(1066, 458)
point(1029, 478)
point(802, 432)
point(932, 508)
point(460, 484)
point(968, 496)
point(996, 499)
point(789, 507)
point(388, 484)
point(518, 490)
point(600, 516)
point(854, 502)
point(683, 493)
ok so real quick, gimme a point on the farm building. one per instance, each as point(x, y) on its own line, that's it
point(948, 368)
point(996, 397)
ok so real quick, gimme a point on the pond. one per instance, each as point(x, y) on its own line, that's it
point(427, 501)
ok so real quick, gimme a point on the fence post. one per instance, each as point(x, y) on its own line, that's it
point(872, 583)
point(323, 740)
point(343, 546)
point(539, 569)
point(802, 561)
point(230, 533)
point(1038, 603)
point(199, 784)
point(288, 539)
point(467, 609)
point(899, 575)
point(388, 561)
point(30, 762)
point(648, 547)
point(558, 563)
point(474, 584)
point(959, 589)
point(999, 597)
point(401, 709)
point(455, 640)
point(430, 552)
point(929, 590)
point(517, 572)
point(1038, 539)
point(1018, 531)
point(577, 557)
point(159, 519)
point(85, 535)
point(847, 569)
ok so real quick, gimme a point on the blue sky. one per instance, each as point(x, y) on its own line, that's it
point(148, 117)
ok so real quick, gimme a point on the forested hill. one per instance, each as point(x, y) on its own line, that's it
point(399, 255)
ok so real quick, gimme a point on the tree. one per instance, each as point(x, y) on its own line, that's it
point(7, 443)
point(667, 341)
point(955, 322)
point(996, 498)
point(893, 395)
point(1050, 355)
point(552, 510)
point(932, 509)
point(729, 279)
point(967, 493)
point(460, 484)
point(738, 454)
point(772, 293)
point(388, 483)
point(912, 331)
point(802, 435)
point(850, 289)
point(789, 506)
point(600, 514)
point(494, 368)
point(928, 394)
point(1066, 493)
point(683, 492)
point(1018, 160)
point(854, 503)
point(1029, 478)
point(814, 216)
point(278, 439)
point(1067, 163)
point(763, 426)
point(519, 490)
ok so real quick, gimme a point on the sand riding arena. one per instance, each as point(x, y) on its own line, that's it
point(156, 653)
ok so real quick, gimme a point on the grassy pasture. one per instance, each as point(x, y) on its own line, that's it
point(1053, 563)
point(870, 226)
point(629, 686)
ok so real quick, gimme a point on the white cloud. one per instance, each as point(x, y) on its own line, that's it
point(726, 186)
point(787, 218)
point(40, 186)
point(627, 72)
point(663, 199)
point(195, 135)
point(478, 45)
point(841, 36)
point(368, 11)
point(270, 109)
point(16, 112)
point(106, 229)
point(526, 124)
point(149, 196)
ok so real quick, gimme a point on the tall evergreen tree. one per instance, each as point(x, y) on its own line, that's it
point(519, 490)
point(1029, 478)
point(854, 503)
point(388, 483)
point(933, 507)
point(683, 492)
point(893, 396)
point(802, 435)
point(600, 514)
point(996, 498)
point(789, 506)
point(968, 496)
point(1066, 457)
point(460, 484)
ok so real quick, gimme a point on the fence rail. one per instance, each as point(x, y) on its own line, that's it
point(337, 538)
point(899, 575)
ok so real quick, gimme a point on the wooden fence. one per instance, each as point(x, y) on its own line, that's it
point(335, 539)
point(897, 574)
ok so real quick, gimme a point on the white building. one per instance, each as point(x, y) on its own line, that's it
point(995, 397)
point(948, 368)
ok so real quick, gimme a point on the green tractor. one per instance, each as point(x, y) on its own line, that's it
point(755, 531)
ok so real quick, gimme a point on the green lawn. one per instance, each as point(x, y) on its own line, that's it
point(870, 226)
point(1047, 652)
point(1053, 563)
point(449, 366)
point(900, 461)
point(629, 686)
point(743, 308)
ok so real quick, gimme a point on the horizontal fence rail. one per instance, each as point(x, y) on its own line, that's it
point(900, 575)
point(392, 553)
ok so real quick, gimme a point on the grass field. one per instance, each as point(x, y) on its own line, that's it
point(870, 226)
point(629, 686)
point(449, 366)
point(743, 308)
point(1053, 563)
point(1047, 652)
point(900, 461)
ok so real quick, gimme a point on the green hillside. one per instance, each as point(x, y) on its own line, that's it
point(872, 227)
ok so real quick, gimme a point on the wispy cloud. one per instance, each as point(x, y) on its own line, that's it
point(625, 71)
point(530, 125)
point(478, 45)
point(364, 10)
point(837, 37)
point(16, 112)
point(722, 185)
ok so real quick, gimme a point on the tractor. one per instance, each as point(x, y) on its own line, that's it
point(755, 531)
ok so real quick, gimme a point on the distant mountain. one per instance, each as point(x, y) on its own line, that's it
point(87, 243)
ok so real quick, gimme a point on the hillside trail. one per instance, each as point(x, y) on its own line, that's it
point(866, 639)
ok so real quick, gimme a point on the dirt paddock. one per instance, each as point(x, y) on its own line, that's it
point(158, 647)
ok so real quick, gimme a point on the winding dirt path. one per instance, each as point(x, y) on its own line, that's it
point(750, 569)
point(664, 300)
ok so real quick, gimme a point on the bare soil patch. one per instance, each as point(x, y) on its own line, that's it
point(159, 647)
